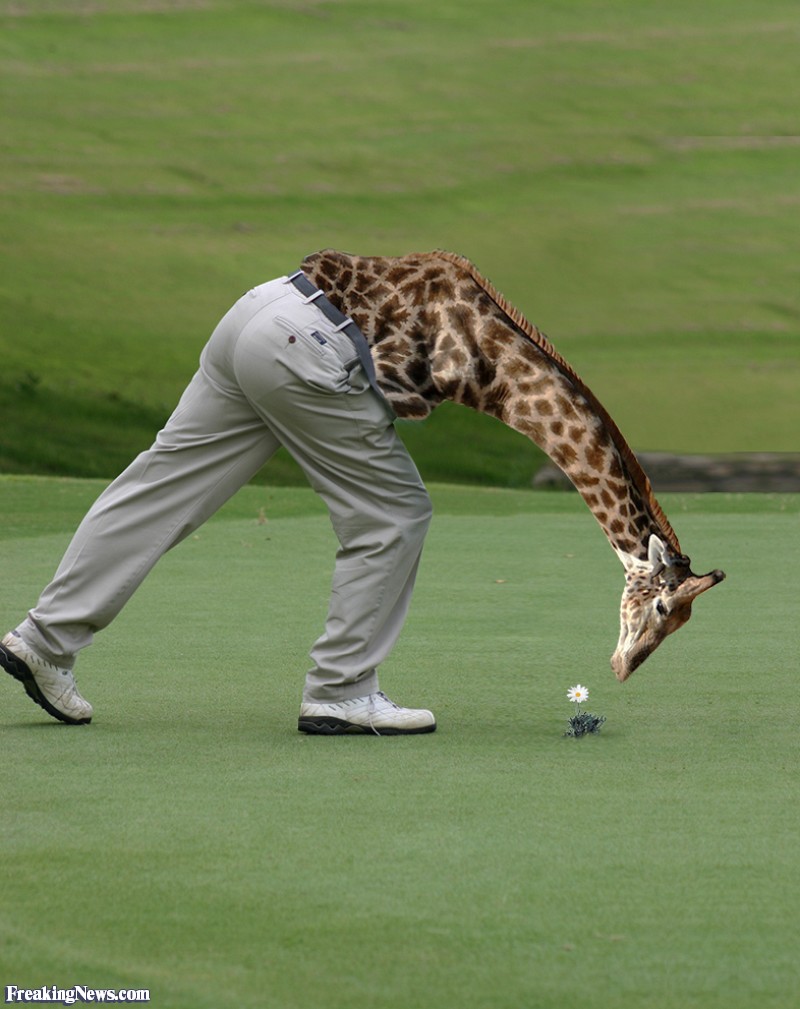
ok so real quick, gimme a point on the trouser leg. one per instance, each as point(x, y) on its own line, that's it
point(381, 517)
point(353, 457)
point(275, 371)
point(210, 447)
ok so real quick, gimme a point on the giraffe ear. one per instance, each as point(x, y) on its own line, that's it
point(657, 555)
point(674, 568)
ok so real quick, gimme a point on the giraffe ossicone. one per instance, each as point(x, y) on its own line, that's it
point(438, 330)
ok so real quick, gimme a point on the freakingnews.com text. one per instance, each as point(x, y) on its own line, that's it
point(78, 993)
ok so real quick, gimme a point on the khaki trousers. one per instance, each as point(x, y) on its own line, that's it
point(275, 372)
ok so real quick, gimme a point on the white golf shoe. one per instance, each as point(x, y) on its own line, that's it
point(50, 686)
point(374, 713)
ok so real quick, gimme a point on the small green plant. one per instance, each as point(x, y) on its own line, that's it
point(583, 722)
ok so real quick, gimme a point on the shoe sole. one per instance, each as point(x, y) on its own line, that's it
point(328, 726)
point(21, 671)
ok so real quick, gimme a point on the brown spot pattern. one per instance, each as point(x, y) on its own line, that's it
point(439, 333)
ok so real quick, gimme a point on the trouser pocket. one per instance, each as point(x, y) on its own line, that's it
point(319, 356)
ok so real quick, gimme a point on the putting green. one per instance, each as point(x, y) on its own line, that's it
point(192, 842)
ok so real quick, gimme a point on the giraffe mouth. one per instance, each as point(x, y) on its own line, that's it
point(620, 667)
point(625, 664)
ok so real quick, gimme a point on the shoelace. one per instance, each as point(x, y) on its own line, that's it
point(371, 707)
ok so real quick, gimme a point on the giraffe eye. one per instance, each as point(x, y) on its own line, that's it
point(661, 608)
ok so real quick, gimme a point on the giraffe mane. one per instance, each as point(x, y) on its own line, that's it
point(530, 332)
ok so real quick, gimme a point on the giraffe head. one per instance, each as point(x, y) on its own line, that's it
point(657, 600)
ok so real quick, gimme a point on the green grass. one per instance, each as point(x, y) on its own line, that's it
point(626, 173)
point(191, 841)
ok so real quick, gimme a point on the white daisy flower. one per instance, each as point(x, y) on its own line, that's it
point(578, 694)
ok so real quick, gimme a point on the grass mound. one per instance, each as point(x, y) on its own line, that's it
point(626, 174)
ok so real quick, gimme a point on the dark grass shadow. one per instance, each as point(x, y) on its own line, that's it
point(29, 726)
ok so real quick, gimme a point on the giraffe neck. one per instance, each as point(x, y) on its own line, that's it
point(545, 406)
point(440, 331)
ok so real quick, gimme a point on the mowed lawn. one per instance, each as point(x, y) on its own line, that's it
point(624, 172)
point(192, 842)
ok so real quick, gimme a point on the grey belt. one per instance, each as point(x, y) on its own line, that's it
point(343, 324)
